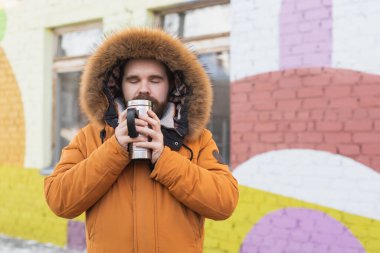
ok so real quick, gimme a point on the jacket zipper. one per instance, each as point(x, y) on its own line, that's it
point(134, 209)
point(155, 218)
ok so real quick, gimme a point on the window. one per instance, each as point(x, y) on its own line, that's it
point(72, 47)
point(205, 25)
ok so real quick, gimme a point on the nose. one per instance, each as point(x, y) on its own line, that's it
point(144, 87)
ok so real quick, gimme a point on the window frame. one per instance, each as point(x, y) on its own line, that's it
point(63, 64)
point(223, 38)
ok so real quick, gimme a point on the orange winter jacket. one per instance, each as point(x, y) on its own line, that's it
point(129, 207)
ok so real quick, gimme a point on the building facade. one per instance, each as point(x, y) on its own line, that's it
point(296, 114)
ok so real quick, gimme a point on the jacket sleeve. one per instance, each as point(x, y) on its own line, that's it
point(207, 187)
point(79, 181)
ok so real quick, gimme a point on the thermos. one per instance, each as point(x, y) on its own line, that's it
point(134, 109)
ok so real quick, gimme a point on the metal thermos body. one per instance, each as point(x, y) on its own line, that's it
point(142, 106)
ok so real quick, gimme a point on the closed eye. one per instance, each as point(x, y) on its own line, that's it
point(132, 80)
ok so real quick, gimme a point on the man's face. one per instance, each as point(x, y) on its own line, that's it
point(146, 79)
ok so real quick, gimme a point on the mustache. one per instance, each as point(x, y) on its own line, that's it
point(147, 97)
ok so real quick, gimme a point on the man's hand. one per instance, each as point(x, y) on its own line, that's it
point(121, 131)
point(157, 143)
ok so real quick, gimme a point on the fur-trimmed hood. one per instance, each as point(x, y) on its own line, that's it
point(133, 43)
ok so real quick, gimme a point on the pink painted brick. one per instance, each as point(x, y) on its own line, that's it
point(309, 92)
point(319, 80)
point(264, 105)
point(315, 103)
point(367, 90)
point(310, 126)
point(242, 127)
point(264, 115)
point(359, 125)
point(250, 137)
point(265, 127)
point(240, 107)
point(264, 85)
point(289, 72)
point(275, 115)
point(290, 138)
point(272, 138)
point(370, 101)
point(257, 95)
point(327, 147)
point(239, 98)
point(298, 126)
point(241, 87)
point(317, 115)
point(374, 113)
point(346, 77)
point(284, 94)
point(344, 103)
point(335, 92)
point(370, 78)
point(344, 114)
point(349, 149)
point(336, 138)
point(303, 115)
point(310, 137)
point(366, 137)
point(289, 105)
point(329, 126)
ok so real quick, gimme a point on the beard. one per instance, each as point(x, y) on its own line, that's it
point(157, 107)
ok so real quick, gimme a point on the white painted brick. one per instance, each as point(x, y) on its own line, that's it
point(317, 177)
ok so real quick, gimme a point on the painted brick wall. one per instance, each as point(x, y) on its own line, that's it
point(315, 108)
point(304, 126)
point(24, 212)
point(12, 126)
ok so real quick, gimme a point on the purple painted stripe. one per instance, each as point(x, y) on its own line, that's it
point(305, 33)
point(300, 230)
point(76, 235)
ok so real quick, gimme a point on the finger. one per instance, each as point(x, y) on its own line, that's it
point(140, 122)
point(147, 131)
point(149, 145)
point(153, 115)
point(151, 121)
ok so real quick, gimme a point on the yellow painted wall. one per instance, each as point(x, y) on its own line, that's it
point(227, 236)
point(24, 212)
point(12, 126)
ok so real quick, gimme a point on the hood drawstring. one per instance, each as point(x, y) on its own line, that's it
point(103, 135)
point(191, 151)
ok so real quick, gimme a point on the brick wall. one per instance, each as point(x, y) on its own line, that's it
point(316, 108)
point(12, 126)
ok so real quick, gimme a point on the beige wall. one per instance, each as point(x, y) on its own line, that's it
point(28, 46)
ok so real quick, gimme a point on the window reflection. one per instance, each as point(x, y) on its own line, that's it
point(217, 65)
point(78, 43)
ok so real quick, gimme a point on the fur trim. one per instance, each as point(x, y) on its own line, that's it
point(146, 43)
